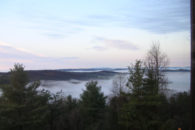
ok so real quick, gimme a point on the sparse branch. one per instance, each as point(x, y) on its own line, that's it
point(155, 62)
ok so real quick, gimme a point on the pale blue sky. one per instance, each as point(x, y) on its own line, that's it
point(48, 34)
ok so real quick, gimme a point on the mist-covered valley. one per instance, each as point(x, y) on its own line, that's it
point(179, 81)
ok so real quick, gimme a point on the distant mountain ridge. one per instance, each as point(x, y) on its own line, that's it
point(35, 75)
point(119, 69)
point(79, 74)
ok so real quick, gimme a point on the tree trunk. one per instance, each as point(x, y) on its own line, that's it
point(193, 61)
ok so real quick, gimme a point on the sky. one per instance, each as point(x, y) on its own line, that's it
point(48, 34)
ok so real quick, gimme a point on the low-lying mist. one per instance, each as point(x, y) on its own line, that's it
point(178, 82)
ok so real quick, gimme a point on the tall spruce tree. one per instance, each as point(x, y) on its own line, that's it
point(22, 106)
point(136, 76)
point(92, 107)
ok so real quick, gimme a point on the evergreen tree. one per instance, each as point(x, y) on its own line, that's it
point(92, 107)
point(64, 113)
point(135, 81)
point(22, 106)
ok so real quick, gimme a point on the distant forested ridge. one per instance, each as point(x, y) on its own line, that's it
point(79, 74)
point(35, 75)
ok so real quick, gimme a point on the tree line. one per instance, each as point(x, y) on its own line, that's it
point(144, 107)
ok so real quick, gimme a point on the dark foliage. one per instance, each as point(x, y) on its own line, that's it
point(92, 105)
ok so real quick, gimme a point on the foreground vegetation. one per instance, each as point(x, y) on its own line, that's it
point(144, 107)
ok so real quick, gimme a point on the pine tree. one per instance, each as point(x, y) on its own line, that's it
point(92, 106)
point(22, 106)
point(135, 81)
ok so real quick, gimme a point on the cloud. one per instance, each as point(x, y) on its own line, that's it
point(10, 55)
point(99, 48)
point(155, 16)
point(159, 16)
point(117, 44)
point(52, 26)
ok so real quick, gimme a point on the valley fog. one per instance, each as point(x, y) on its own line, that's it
point(178, 82)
